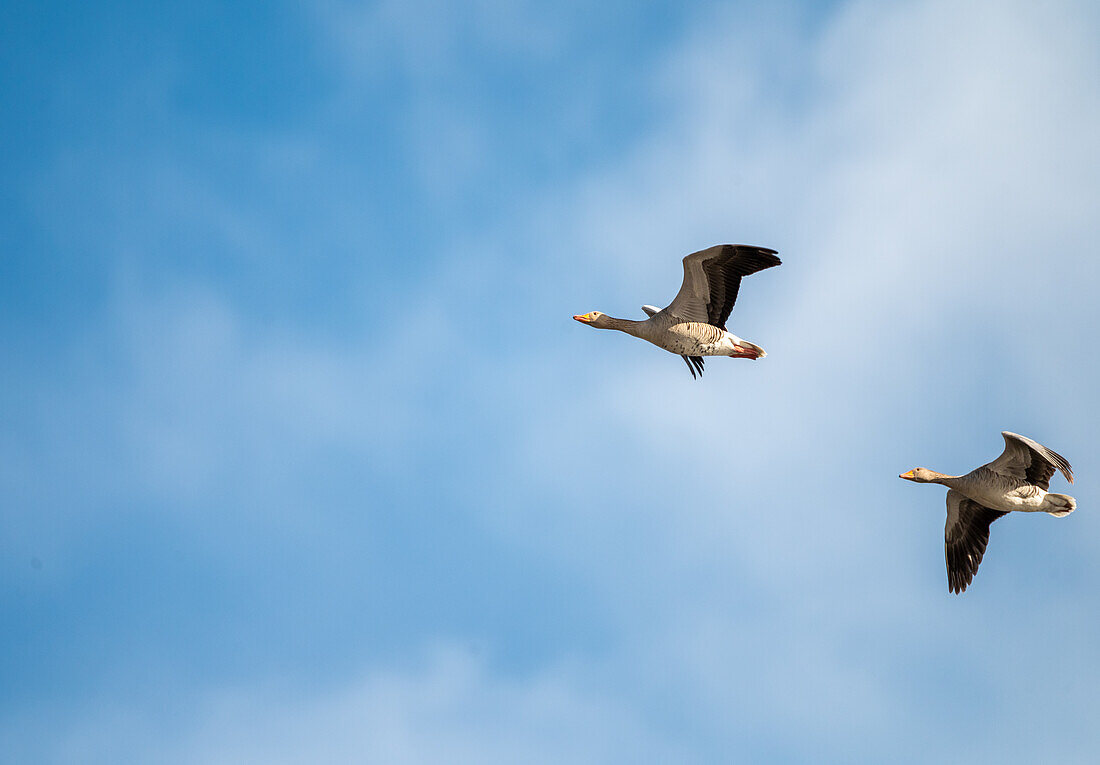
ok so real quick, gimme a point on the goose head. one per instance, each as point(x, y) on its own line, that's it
point(921, 475)
point(594, 319)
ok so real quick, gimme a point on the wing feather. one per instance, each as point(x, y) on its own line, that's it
point(694, 363)
point(1030, 461)
point(712, 279)
point(965, 537)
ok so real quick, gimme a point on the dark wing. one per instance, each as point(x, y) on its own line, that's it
point(1030, 461)
point(694, 362)
point(724, 275)
point(965, 537)
point(712, 278)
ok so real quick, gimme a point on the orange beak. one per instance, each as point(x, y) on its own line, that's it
point(585, 318)
point(907, 474)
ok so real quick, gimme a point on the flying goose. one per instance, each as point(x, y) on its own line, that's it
point(694, 323)
point(1017, 480)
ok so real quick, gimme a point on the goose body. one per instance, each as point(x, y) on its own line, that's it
point(693, 325)
point(1005, 493)
point(1017, 481)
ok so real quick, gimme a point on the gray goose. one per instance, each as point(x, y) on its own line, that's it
point(1016, 481)
point(694, 323)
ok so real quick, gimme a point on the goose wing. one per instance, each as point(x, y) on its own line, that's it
point(965, 537)
point(694, 363)
point(712, 278)
point(1030, 461)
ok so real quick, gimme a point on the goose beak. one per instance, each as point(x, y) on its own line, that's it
point(908, 475)
point(583, 319)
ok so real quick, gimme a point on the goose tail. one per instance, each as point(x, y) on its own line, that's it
point(1061, 505)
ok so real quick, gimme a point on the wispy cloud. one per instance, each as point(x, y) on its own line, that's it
point(449, 707)
point(750, 574)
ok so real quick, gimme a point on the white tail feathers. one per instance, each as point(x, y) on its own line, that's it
point(1060, 505)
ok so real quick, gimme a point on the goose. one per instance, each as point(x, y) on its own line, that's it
point(693, 325)
point(1016, 481)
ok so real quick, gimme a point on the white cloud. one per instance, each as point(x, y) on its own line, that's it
point(451, 707)
point(930, 174)
point(930, 180)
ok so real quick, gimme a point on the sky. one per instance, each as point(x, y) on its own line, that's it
point(302, 458)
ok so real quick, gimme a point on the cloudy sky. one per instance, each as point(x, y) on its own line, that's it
point(303, 460)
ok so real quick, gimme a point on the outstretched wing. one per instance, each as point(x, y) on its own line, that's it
point(1030, 460)
point(965, 537)
point(712, 278)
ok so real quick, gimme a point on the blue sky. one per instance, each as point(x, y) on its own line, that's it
point(302, 459)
